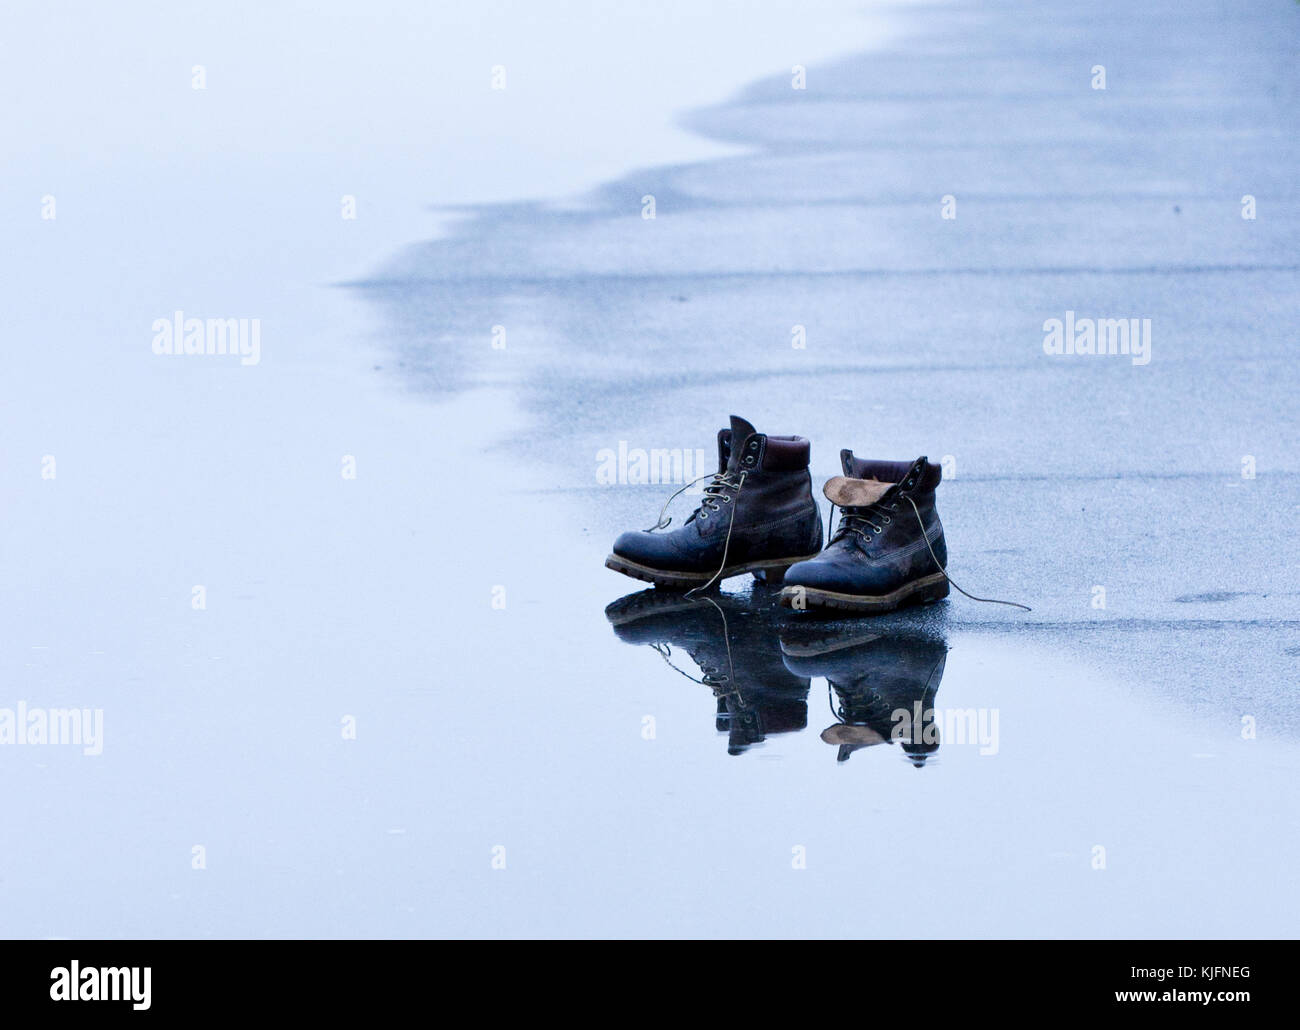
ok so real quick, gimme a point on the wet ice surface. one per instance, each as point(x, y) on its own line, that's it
point(1065, 474)
point(1121, 726)
point(525, 727)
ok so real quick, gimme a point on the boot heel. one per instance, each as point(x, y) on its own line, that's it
point(932, 592)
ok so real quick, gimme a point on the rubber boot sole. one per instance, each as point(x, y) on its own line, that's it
point(918, 591)
point(771, 571)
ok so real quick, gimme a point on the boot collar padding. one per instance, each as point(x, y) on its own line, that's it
point(786, 453)
point(760, 451)
point(925, 476)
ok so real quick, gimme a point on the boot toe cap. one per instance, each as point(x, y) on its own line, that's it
point(653, 549)
point(819, 574)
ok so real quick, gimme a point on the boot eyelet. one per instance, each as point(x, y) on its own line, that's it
point(749, 459)
point(888, 520)
point(876, 530)
point(726, 499)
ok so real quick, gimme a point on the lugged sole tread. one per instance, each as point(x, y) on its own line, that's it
point(918, 591)
point(686, 580)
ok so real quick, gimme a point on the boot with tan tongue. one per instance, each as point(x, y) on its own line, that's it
point(888, 549)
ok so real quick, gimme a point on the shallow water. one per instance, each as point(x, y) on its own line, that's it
point(1031, 795)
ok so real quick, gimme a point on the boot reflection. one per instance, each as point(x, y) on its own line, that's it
point(883, 686)
point(733, 641)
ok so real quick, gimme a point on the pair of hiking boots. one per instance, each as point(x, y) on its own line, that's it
point(758, 515)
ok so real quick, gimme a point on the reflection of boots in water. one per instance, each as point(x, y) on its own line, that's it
point(734, 643)
point(883, 685)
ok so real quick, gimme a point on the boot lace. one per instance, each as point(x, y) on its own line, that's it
point(716, 494)
point(862, 521)
point(859, 522)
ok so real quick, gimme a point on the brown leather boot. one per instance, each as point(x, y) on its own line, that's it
point(758, 515)
point(889, 548)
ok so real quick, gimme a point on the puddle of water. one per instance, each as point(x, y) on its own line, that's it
point(893, 777)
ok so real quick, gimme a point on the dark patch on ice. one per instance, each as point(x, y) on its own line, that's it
point(1212, 597)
